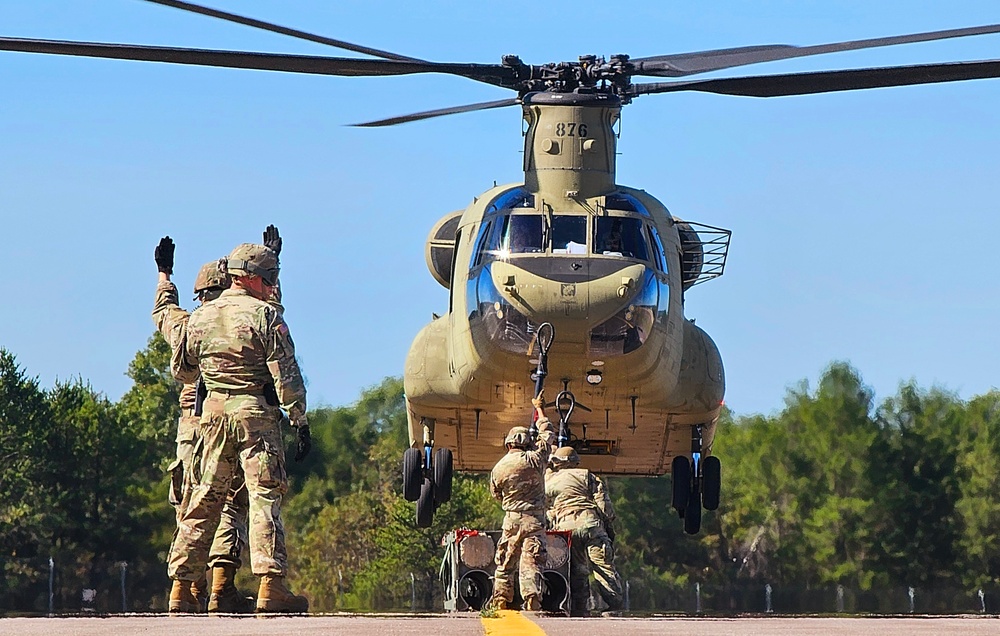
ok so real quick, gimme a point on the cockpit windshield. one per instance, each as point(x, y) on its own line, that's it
point(569, 235)
point(521, 234)
point(620, 236)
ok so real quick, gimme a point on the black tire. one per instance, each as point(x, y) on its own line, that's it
point(711, 482)
point(425, 505)
point(692, 515)
point(680, 483)
point(443, 464)
point(413, 473)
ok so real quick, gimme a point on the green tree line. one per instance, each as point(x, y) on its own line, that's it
point(834, 489)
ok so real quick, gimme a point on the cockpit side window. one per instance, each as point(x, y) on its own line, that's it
point(569, 235)
point(485, 230)
point(657, 247)
point(620, 236)
point(522, 234)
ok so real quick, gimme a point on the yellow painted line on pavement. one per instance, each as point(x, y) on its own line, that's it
point(511, 623)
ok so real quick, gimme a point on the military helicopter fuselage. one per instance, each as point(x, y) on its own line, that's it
point(602, 263)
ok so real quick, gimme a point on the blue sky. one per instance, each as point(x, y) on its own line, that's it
point(864, 223)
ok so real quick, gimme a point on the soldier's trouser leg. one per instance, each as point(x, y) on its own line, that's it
point(507, 557)
point(188, 428)
point(532, 562)
point(230, 541)
point(211, 477)
point(579, 573)
point(262, 456)
point(601, 553)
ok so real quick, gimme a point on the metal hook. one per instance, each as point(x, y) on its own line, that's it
point(565, 413)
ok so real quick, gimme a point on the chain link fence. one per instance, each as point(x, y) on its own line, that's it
point(40, 586)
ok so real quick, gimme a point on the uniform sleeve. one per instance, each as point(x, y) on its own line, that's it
point(180, 368)
point(171, 321)
point(539, 456)
point(494, 487)
point(602, 497)
point(280, 352)
point(166, 310)
point(184, 357)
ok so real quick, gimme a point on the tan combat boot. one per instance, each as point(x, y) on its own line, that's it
point(199, 589)
point(182, 601)
point(226, 598)
point(275, 597)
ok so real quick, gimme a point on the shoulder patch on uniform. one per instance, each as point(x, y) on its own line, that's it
point(283, 329)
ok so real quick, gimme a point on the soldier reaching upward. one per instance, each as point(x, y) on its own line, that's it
point(243, 349)
point(517, 481)
point(230, 539)
point(578, 502)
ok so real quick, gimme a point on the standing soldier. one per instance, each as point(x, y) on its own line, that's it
point(517, 481)
point(578, 502)
point(246, 358)
point(231, 536)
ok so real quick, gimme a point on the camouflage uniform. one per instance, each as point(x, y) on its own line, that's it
point(241, 345)
point(578, 502)
point(231, 536)
point(517, 481)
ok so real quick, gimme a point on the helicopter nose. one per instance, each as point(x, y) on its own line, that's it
point(546, 290)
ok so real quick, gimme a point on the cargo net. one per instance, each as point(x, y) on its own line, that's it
point(703, 252)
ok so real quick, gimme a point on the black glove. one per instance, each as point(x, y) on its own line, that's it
point(304, 443)
point(164, 255)
point(272, 239)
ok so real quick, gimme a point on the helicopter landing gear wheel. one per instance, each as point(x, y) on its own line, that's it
point(413, 473)
point(425, 504)
point(680, 484)
point(711, 482)
point(692, 516)
point(443, 464)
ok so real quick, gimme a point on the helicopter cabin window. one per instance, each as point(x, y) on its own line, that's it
point(625, 203)
point(620, 236)
point(511, 200)
point(569, 235)
point(521, 234)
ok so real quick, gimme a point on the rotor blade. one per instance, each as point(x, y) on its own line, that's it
point(427, 114)
point(684, 64)
point(830, 81)
point(274, 28)
point(317, 65)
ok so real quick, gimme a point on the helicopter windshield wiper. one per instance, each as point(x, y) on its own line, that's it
point(682, 64)
point(275, 28)
point(829, 81)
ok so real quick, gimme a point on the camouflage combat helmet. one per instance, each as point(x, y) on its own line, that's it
point(212, 275)
point(250, 259)
point(517, 437)
point(565, 456)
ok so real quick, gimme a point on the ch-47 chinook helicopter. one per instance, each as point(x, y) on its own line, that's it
point(567, 275)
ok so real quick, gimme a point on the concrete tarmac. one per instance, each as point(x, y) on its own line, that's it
point(512, 623)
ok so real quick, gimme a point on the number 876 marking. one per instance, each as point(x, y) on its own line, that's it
point(571, 129)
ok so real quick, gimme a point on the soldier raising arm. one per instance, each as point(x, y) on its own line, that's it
point(518, 482)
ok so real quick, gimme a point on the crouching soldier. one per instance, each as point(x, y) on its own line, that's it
point(518, 481)
point(578, 502)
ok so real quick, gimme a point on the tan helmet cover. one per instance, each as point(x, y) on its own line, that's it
point(250, 259)
point(212, 275)
point(565, 456)
point(517, 437)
